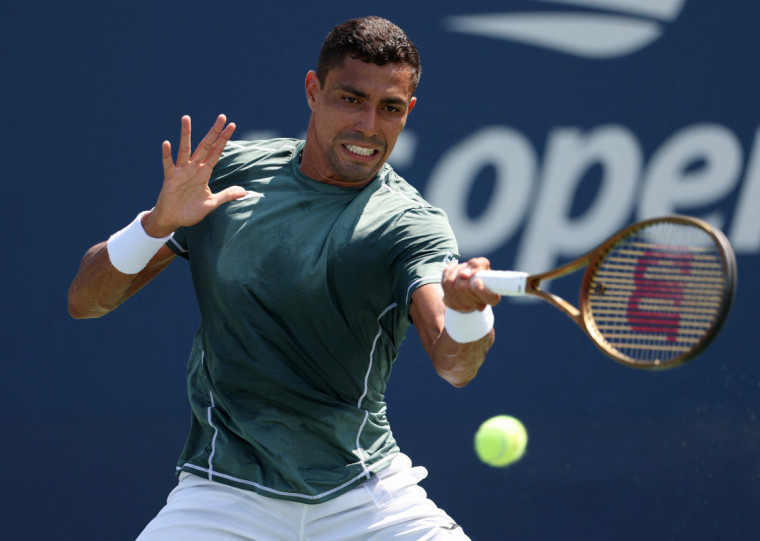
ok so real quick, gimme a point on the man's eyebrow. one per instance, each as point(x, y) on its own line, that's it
point(356, 92)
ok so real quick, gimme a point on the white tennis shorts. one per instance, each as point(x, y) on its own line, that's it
point(391, 505)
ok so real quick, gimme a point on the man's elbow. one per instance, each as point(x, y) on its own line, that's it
point(460, 382)
point(78, 309)
point(78, 312)
point(457, 379)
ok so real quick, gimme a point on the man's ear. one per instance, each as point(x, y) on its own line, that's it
point(412, 103)
point(312, 87)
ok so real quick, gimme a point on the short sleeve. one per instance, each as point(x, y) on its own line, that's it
point(178, 242)
point(425, 245)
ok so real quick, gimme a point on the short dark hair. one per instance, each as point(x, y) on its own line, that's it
point(369, 39)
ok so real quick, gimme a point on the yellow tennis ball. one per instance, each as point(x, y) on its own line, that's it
point(500, 441)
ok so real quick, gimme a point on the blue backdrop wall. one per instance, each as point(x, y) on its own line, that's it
point(542, 127)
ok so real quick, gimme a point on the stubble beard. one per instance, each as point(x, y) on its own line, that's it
point(351, 172)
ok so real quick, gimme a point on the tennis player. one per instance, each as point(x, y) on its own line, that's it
point(309, 259)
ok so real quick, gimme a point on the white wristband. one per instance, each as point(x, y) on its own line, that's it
point(466, 327)
point(131, 248)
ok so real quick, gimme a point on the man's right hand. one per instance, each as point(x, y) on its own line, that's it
point(185, 198)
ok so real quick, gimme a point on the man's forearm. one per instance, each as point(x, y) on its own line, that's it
point(98, 288)
point(459, 363)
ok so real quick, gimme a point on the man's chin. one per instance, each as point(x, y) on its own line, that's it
point(357, 175)
point(354, 172)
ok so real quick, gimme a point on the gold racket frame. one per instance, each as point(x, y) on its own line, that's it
point(585, 320)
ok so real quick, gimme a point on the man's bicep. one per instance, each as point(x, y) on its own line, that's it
point(427, 312)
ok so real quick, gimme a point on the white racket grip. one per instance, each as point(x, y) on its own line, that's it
point(504, 282)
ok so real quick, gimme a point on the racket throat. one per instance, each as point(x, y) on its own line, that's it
point(571, 311)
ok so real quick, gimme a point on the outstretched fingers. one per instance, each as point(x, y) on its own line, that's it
point(185, 196)
point(210, 148)
point(216, 150)
point(166, 158)
point(208, 151)
point(185, 144)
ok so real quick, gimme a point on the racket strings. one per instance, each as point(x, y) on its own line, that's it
point(657, 292)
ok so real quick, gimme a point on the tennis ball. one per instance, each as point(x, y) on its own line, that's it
point(500, 441)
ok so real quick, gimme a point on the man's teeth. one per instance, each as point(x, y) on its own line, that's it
point(361, 151)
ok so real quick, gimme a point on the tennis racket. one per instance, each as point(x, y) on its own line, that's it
point(653, 296)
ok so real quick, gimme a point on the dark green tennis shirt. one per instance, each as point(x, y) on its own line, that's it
point(304, 292)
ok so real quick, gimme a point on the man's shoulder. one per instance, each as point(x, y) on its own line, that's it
point(247, 151)
point(251, 158)
point(400, 191)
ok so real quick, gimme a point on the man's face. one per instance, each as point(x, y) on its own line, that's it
point(357, 116)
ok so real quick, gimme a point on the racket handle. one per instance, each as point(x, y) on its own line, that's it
point(504, 282)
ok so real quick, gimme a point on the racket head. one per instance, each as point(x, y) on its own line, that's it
point(656, 294)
